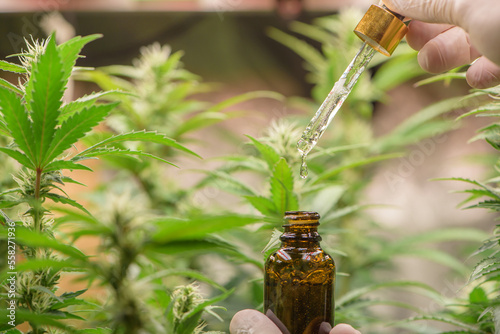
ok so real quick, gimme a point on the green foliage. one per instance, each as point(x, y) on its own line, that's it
point(341, 171)
point(133, 266)
point(282, 188)
point(158, 94)
point(42, 130)
point(146, 262)
point(475, 309)
point(186, 309)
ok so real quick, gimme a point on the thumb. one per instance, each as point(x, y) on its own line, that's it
point(344, 329)
point(252, 322)
point(435, 11)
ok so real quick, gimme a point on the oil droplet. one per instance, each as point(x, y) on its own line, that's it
point(303, 167)
point(332, 104)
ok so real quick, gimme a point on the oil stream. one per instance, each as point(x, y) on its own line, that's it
point(332, 104)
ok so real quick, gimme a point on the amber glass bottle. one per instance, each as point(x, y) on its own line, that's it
point(299, 278)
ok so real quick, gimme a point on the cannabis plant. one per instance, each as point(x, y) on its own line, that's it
point(161, 95)
point(143, 267)
point(476, 308)
point(42, 132)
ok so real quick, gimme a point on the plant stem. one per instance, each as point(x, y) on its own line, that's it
point(37, 221)
point(37, 204)
point(35, 329)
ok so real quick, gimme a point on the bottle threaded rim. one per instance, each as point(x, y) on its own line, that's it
point(301, 216)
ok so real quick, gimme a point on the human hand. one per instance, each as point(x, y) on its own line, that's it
point(457, 33)
point(254, 322)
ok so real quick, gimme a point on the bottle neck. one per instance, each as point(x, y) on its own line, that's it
point(301, 235)
point(301, 229)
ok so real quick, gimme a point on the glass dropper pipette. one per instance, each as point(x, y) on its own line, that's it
point(381, 30)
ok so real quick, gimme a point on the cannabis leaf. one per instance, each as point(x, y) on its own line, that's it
point(18, 124)
point(76, 127)
point(44, 94)
point(148, 136)
point(267, 152)
point(282, 187)
point(69, 52)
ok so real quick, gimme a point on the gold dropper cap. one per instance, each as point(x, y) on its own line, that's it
point(381, 29)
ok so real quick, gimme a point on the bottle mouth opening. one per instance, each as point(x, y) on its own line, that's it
point(301, 217)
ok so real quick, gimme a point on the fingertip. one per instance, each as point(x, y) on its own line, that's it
point(344, 329)
point(448, 50)
point(414, 38)
point(252, 321)
point(431, 59)
point(483, 73)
